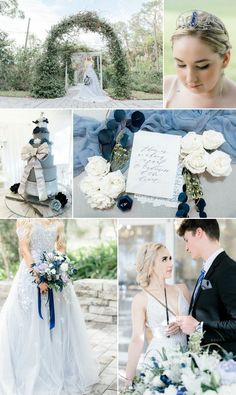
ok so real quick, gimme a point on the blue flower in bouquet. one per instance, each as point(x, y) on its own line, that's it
point(56, 269)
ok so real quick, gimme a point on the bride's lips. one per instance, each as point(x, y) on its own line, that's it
point(194, 86)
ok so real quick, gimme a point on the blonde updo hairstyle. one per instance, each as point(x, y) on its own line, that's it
point(215, 35)
point(145, 262)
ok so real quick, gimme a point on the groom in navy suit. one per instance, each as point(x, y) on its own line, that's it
point(212, 309)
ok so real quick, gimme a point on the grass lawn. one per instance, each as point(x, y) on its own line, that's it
point(15, 93)
point(137, 95)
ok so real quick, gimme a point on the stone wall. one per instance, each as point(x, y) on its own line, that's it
point(98, 298)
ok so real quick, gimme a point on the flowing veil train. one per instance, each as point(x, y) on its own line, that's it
point(90, 90)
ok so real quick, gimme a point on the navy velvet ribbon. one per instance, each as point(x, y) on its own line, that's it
point(51, 307)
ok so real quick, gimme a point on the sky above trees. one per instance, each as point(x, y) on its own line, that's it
point(45, 13)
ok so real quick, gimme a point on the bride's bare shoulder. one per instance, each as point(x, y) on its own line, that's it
point(140, 299)
point(185, 291)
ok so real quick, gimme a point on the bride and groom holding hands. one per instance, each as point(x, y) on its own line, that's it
point(210, 310)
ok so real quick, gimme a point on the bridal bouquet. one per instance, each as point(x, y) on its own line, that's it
point(195, 372)
point(55, 269)
point(199, 155)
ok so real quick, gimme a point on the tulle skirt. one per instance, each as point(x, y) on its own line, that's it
point(35, 360)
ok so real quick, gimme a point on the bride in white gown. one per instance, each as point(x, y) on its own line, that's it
point(154, 265)
point(35, 360)
point(90, 90)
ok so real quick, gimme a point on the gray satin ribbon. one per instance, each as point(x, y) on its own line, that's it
point(33, 156)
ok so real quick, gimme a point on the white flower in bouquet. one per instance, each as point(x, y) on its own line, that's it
point(90, 184)
point(207, 361)
point(191, 142)
point(64, 267)
point(197, 161)
point(191, 382)
point(100, 201)
point(227, 389)
point(37, 141)
point(219, 164)
point(147, 392)
point(212, 139)
point(113, 184)
point(210, 392)
point(50, 255)
point(171, 390)
point(53, 271)
point(148, 376)
point(157, 382)
point(97, 166)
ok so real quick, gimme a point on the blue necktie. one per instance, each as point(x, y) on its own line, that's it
point(199, 282)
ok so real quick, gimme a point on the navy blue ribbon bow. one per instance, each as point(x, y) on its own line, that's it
point(51, 307)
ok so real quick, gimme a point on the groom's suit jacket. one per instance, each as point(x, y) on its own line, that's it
point(215, 303)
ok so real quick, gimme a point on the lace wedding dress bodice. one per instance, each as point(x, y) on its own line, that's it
point(156, 321)
point(35, 360)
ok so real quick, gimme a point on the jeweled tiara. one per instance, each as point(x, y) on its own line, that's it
point(199, 20)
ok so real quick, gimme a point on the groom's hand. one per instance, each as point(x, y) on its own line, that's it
point(187, 324)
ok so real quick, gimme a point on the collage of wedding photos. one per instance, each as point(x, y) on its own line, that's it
point(117, 197)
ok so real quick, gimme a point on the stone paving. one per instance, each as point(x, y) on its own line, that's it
point(103, 338)
point(69, 101)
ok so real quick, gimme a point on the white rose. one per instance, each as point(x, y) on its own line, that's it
point(89, 185)
point(148, 376)
point(227, 389)
point(64, 267)
point(191, 142)
point(37, 141)
point(53, 271)
point(101, 201)
point(157, 382)
point(113, 184)
point(212, 139)
point(97, 166)
point(210, 392)
point(147, 392)
point(171, 390)
point(197, 161)
point(219, 164)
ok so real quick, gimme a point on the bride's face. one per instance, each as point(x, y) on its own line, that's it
point(163, 264)
point(197, 66)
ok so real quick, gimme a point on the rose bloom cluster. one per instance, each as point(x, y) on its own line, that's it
point(100, 185)
point(200, 154)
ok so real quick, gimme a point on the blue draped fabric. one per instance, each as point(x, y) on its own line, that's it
point(178, 122)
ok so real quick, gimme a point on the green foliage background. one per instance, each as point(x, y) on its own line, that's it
point(92, 261)
point(224, 10)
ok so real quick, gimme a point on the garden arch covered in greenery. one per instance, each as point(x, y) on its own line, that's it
point(49, 76)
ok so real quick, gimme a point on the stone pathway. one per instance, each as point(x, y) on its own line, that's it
point(69, 101)
point(103, 338)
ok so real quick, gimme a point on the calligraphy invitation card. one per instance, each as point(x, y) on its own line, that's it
point(153, 164)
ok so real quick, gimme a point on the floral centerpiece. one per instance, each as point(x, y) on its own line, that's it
point(200, 154)
point(195, 372)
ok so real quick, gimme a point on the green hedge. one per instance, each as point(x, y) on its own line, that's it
point(96, 262)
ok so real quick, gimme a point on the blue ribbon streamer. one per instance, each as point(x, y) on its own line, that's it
point(51, 307)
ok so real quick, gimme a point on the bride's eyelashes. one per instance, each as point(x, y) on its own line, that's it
point(165, 258)
point(182, 66)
